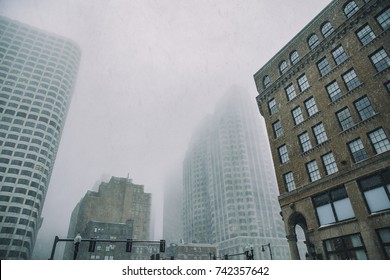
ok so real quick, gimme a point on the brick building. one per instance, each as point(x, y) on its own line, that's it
point(119, 210)
point(325, 100)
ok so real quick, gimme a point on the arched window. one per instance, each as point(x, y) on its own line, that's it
point(313, 41)
point(294, 57)
point(350, 8)
point(326, 29)
point(266, 81)
point(283, 67)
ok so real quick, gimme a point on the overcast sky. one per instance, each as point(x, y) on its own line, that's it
point(150, 71)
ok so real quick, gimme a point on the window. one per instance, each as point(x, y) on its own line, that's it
point(387, 85)
point(345, 248)
point(297, 115)
point(339, 55)
point(266, 82)
point(272, 106)
point(303, 83)
point(326, 29)
point(364, 108)
point(320, 133)
point(365, 35)
point(294, 57)
point(329, 163)
point(381, 60)
point(384, 236)
point(312, 170)
point(323, 66)
point(351, 80)
point(290, 91)
point(278, 130)
point(384, 19)
point(350, 9)
point(379, 140)
point(311, 106)
point(333, 206)
point(283, 154)
point(304, 140)
point(283, 67)
point(289, 181)
point(334, 91)
point(312, 41)
point(376, 191)
point(357, 150)
point(345, 118)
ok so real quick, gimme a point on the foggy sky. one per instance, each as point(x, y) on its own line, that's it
point(150, 71)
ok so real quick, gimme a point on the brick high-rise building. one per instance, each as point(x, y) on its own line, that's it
point(325, 100)
point(37, 76)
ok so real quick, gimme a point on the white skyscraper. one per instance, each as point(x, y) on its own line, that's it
point(230, 190)
point(37, 76)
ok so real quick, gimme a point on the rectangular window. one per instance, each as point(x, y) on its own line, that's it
point(311, 106)
point(334, 91)
point(379, 140)
point(357, 150)
point(364, 108)
point(304, 140)
point(278, 130)
point(384, 236)
point(376, 191)
point(349, 247)
point(333, 206)
point(289, 181)
point(283, 154)
point(345, 118)
point(323, 67)
point(320, 133)
point(351, 80)
point(312, 170)
point(384, 19)
point(272, 107)
point(297, 115)
point(339, 55)
point(303, 83)
point(290, 91)
point(329, 163)
point(365, 35)
point(381, 60)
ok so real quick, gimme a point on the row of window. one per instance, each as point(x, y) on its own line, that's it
point(378, 139)
point(351, 247)
point(334, 205)
point(28, 43)
point(27, 104)
point(45, 116)
point(24, 56)
point(33, 36)
point(365, 35)
point(32, 102)
point(380, 60)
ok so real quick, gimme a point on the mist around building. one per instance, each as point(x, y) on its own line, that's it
point(301, 173)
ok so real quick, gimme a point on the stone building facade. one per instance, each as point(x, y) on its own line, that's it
point(325, 100)
point(117, 202)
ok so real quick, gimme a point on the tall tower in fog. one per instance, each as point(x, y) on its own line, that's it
point(37, 76)
point(230, 190)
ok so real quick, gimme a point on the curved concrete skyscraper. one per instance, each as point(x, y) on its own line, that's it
point(230, 190)
point(37, 76)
